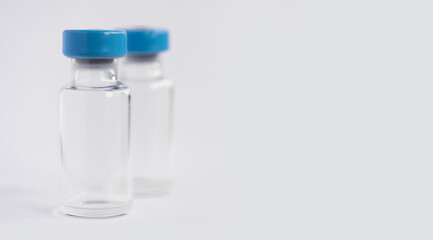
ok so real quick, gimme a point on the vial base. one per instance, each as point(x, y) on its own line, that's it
point(147, 187)
point(95, 208)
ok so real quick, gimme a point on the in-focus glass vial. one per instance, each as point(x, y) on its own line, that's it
point(94, 126)
point(151, 111)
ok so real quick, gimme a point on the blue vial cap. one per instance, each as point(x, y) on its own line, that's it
point(94, 44)
point(147, 41)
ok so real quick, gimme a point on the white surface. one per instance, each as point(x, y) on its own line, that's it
point(294, 119)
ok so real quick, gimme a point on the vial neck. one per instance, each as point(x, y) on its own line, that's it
point(94, 72)
point(140, 67)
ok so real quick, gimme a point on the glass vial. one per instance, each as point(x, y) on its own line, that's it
point(151, 111)
point(94, 126)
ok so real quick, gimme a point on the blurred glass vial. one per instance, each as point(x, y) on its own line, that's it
point(151, 111)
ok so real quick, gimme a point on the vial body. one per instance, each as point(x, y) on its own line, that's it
point(151, 124)
point(94, 126)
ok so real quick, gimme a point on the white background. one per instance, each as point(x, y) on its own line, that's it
point(294, 119)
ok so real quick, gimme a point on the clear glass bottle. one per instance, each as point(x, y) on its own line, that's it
point(151, 112)
point(94, 126)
